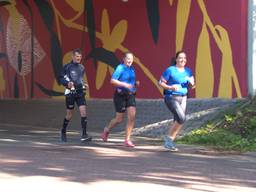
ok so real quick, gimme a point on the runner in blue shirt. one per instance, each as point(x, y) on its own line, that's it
point(175, 81)
point(124, 80)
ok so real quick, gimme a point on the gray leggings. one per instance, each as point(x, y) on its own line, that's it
point(177, 105)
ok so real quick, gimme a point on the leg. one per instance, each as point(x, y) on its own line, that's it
point(169, 139)
point(174, 130)
point(119, 103)
point(81, 102)
point(131, 112)
point(114, 122)
point(69, 114)
point(65, 124)
point(69, 111)
point(82, 110)
point(180, 109)
point(177, 106)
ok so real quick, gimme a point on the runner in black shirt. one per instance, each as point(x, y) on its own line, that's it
point(72, 78)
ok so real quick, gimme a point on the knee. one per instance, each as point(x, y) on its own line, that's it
point(181, 119)
point(83, 114)
point(82, 111)
point(119, 119)
point(68, 116)
point(131, 118)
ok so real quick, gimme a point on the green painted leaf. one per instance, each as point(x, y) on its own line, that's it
point(153, 17)
point(16, 86)
point(48, 91)
point(19, 60)
point(104, 55)
point(32, 46)
point(3, 3)
point(56, 55)
point(46, 13)
point(89, 14)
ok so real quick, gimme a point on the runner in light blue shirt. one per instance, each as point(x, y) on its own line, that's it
point(175, 81)
point(124, 79)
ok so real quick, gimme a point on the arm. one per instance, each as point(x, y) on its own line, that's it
point(118, 83)
point(191, 81)
point(163, 83)
point(64, 80)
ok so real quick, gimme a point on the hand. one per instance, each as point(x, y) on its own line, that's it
point(137, 83)
point(70, 84)
point(191, 82)
point(127, 85)
point(86, 86)
point(174, 87)
point(192, 86)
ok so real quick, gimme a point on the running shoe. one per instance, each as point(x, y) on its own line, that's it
point(129, 143)
point(104, 135)
point(169, 144)
point(86, 138)
point(63, 137)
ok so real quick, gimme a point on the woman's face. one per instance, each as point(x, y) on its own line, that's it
point(128, 60)
point(181, 60)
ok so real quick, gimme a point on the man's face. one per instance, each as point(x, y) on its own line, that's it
point(77, 57)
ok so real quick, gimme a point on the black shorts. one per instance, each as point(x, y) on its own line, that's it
point(123, 100)
point(71, 99)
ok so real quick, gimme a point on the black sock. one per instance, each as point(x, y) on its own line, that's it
point(84, 125)
point(64, 126)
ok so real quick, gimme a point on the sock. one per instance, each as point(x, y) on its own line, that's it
point(64, 126)
point(84, 125)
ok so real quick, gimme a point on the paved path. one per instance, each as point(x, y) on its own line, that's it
point(32, 159)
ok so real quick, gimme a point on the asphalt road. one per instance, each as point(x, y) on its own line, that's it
point(32, 159)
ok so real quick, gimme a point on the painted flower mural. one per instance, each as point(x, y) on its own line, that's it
point(38, 36)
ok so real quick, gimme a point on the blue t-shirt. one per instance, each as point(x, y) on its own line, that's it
point(175, 77)
point(125, 74)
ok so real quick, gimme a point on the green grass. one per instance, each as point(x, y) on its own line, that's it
point(233, 131)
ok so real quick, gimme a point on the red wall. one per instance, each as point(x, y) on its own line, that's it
point(214, 36)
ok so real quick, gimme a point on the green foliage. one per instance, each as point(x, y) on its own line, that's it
point(237, 130)
point(229, 118)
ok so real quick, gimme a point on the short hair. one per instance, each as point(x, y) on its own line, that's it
point(126, 53)
point(77, 50)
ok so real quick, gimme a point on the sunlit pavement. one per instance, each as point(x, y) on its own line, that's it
point(33, 159)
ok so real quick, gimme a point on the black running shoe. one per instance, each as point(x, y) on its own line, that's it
point(63, 137)
point(86, 138)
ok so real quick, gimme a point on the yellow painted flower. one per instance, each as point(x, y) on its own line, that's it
point(77, 5)
point(111, 41)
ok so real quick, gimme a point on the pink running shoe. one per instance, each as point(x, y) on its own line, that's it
point(128, 143)
point(104, 135)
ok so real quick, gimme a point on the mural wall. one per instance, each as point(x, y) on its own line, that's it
point(37, 37)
